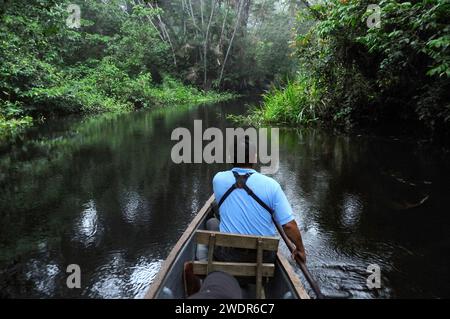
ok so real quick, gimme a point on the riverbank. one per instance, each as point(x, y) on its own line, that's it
point(127, 95)
point(110, 62)
point(352, 73)
point(301, 104)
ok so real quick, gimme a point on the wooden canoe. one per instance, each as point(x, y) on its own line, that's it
point(169, 284)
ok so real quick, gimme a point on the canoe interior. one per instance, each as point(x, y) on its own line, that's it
point(169, 283)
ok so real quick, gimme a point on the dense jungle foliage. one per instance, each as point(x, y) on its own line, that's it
point(342, 62)
point(131, 54)
point(355, 69)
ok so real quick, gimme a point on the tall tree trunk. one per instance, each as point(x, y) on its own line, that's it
point(183, 6)
point(139, 2)
point(192, 15)
point(201, 13)
point(231, 43)
point(245, 13)
point(165, 33)
point(223, 26)
point(205, 47)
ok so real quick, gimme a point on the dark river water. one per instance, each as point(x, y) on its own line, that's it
point(103, 193)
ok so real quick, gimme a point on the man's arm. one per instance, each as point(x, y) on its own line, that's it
point(284, 215)
point(293, 232)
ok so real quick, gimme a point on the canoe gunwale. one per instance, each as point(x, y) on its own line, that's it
point(187, 235)
point(171, 258)
point(293, 277)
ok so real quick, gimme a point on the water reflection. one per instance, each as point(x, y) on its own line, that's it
point(87, 229)
point(110, 199)
point(348, 209)
point(136, 210)
point(114, 280)
point(351, 210)
point(44, 275)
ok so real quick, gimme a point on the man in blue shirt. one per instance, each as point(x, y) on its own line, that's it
point(241, 213)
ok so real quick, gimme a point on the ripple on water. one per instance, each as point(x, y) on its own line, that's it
point(43, 275)
point(118, 278)
point(88, 230)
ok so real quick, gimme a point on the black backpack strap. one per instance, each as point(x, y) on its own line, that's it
point(227, 193)
point(241, 182)
point(258, 200)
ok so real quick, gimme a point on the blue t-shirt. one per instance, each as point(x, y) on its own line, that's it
point(241, 214)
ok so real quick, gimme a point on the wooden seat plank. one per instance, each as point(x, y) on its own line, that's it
point(237, 240)
point(234, 269)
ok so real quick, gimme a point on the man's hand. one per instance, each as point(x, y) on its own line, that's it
point(297, 253)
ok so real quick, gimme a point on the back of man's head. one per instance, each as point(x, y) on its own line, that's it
point(243, 152)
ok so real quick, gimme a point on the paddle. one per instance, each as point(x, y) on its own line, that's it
point(300, 263)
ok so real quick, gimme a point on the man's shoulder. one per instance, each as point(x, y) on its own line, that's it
point(268, 181)
point(222, 175)
point(257, 177)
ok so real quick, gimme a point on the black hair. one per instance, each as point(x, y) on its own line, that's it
point(249, 148)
